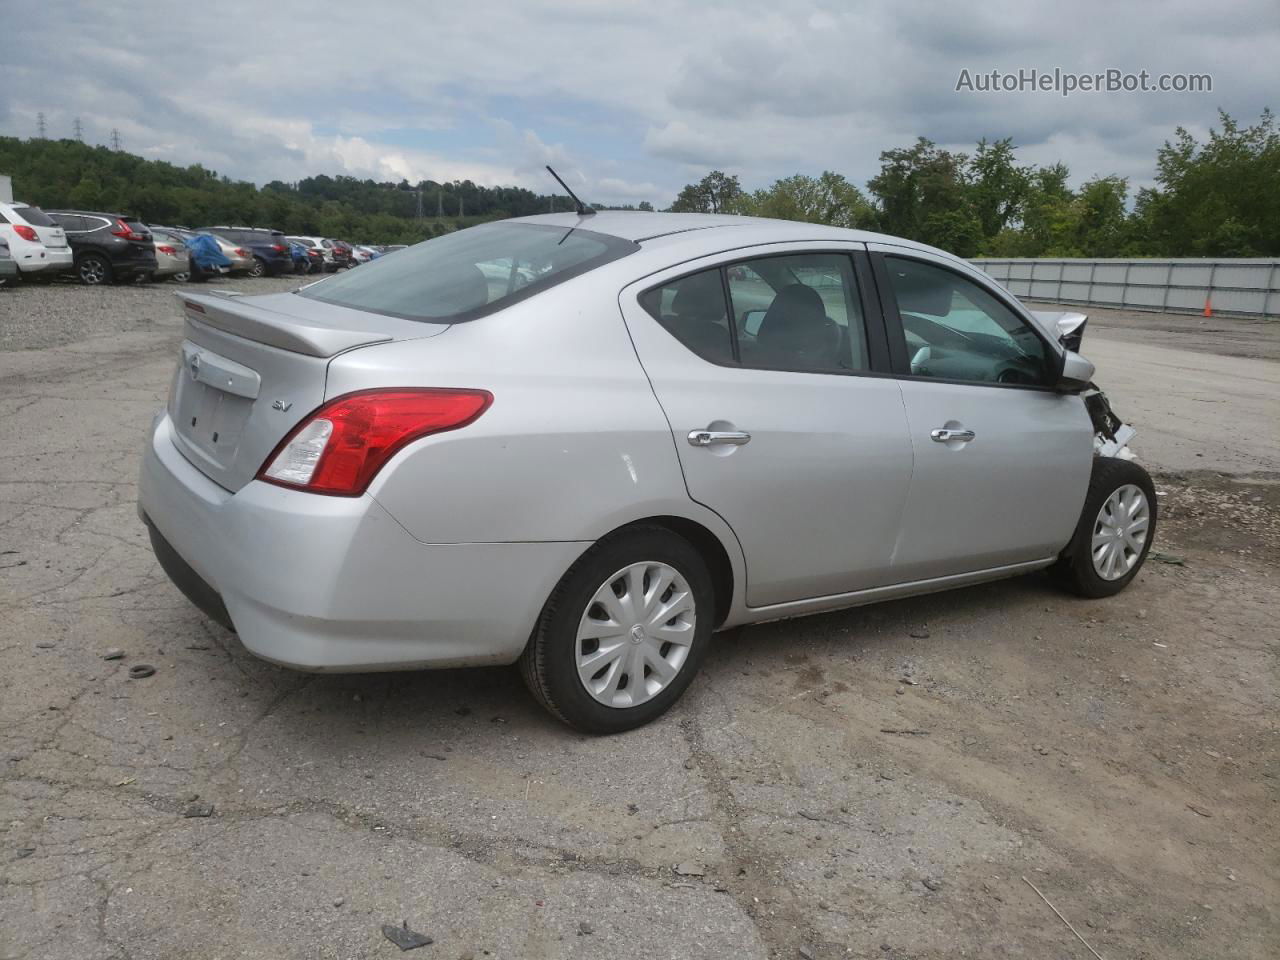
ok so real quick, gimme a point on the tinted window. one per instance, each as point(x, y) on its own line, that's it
point(956, 330)
point(693, 310)
point(34, 216)
point(798, 313)
point(471, 272)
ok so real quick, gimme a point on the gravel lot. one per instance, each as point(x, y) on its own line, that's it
point(872, 783)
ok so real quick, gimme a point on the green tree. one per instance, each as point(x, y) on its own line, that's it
point(717, 192)
point(829, 199)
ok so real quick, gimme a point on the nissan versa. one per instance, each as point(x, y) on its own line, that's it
point(585, 443)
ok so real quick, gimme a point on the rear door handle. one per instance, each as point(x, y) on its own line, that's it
point(942, 435)
point(711, 438)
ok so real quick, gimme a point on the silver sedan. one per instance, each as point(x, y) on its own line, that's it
point(585, 444)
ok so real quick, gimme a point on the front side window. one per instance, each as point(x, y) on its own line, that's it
point(798, 313)
point(471, 272)
point(956, 330)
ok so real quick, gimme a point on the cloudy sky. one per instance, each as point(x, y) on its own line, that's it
point(630, 101)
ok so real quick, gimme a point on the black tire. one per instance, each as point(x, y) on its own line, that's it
point(548, 663)
point(259, 268)
point(1075, 569)
point(94, 270)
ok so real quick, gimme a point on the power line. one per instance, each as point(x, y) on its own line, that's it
point(40, 126)
point(78, 129)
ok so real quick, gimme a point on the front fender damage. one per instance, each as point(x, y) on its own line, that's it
point(1111, 435)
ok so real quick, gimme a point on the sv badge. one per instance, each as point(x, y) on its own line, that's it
point(280, 405)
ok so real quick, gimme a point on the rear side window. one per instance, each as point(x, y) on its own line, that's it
point(34, 216)
point(472, 272)
point(693, 311)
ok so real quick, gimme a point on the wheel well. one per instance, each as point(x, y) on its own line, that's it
point(712, 551)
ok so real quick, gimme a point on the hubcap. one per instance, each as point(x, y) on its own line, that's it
point(92, 271)
point(1120, 532)
point(635, 634)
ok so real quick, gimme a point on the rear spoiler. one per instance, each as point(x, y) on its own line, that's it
point(239, 318)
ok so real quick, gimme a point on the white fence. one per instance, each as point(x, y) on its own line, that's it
point(1240, 287)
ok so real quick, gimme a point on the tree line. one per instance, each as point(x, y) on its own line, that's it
point(1217, 198)
point(61, 174)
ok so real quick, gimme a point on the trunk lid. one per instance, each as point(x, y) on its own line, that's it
point(251, 368)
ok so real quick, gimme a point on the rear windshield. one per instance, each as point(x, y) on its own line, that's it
point(34, 216)
point(472, 272)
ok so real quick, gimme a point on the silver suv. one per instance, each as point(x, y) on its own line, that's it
point(585, 444)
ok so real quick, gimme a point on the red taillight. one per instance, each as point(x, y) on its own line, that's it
point(340, 447)
point(25, 232)
point(165, 248)
point(241, 252)
point(126, 232)
point(278, 247)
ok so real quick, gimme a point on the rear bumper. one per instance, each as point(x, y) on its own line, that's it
point(48, 260)
point(336, 584)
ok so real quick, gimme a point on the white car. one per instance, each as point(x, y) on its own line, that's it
point(36, 243)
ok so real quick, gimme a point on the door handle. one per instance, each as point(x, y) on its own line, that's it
point(942, 435)
point(711, 438)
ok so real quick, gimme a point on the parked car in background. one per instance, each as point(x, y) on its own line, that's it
point(172, 259)
point(364, 253)
point(316, 245)
point(205, 253)
point(711, 388)
point(303, 257)
point(37, 244)
point(241, 258)
point(107, 247)
point(343, 254)
point(8, 266)
point(393, 247)
point(269, 248)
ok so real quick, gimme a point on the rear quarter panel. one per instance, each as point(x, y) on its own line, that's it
point(573, 446)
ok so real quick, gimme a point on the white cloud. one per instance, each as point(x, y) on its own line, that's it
point(626, 102)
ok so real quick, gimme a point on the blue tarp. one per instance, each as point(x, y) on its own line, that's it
point(205, 251)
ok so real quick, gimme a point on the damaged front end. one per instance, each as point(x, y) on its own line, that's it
point(1111, 435)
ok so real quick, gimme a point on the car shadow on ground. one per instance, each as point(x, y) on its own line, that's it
point(475, 705)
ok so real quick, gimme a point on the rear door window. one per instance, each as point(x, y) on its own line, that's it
point(472, 272)
point(693, 311)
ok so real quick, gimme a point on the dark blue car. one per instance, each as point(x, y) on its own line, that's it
point(270, 249)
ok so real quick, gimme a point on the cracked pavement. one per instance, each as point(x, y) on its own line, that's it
point(1120, 754)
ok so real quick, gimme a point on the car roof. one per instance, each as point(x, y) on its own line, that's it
point(641, 225)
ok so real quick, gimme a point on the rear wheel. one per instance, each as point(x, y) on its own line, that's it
point(93, 270)
point(1115, 531)
point(624, 632)
point(259, 268)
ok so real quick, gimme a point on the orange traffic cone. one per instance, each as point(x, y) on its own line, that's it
point(1208, 307)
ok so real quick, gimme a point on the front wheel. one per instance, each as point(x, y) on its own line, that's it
point(624, 632)
point(1115, 531)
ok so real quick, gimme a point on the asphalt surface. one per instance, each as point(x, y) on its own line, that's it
point(871, 783)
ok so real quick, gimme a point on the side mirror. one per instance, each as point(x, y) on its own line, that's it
point(1077, 373)
point(1071, 329)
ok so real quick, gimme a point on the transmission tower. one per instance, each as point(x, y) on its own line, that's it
point(40, 127)
point(439, 203)
point(78, 129)
point(418, 192)
point(115, 139)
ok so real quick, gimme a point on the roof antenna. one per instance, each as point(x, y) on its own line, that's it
point(583, 209)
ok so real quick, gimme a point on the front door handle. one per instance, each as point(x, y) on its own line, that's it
point(942, 435)
point(711, 438)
